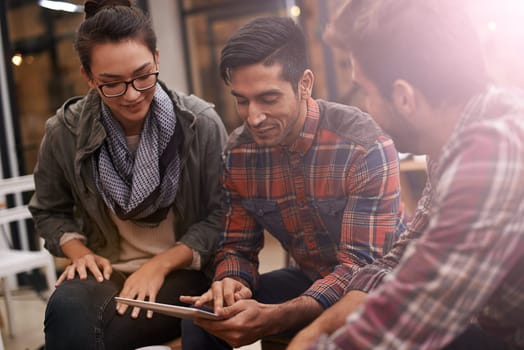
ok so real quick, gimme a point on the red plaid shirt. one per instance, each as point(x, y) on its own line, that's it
point(331, 199)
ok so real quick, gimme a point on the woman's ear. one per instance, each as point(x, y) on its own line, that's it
point(403, 97)
point(305, 86)
point(86, 76)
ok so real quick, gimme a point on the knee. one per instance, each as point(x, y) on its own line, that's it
point(75, 302)
point(66, 307)
point(67, 323)
point(68, 297)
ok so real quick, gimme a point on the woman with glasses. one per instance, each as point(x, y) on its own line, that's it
point(127, 188)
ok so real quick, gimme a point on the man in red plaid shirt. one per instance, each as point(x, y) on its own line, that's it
point(320, 177)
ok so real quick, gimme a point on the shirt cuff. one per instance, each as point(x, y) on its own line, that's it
point(68, 236)
point(196, 264)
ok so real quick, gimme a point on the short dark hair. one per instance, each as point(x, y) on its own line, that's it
point(111, 21)
point(267, 40)
point(429, 43)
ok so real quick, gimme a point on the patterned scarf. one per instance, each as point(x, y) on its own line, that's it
point(140, 187)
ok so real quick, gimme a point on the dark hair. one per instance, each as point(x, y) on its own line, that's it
point(430, 43)
point(267, 40)
point(111, 21)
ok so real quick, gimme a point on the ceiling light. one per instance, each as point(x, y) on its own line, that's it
point(17, 59)
point(61, 6)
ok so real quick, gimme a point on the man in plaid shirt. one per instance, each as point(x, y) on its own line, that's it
point(455, 279)
point(320, 177)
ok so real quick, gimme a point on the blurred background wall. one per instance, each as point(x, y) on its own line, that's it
point(40, 70)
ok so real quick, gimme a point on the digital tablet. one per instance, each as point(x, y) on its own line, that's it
point(171, 310)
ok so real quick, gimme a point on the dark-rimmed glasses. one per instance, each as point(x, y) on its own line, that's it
point(119, 88)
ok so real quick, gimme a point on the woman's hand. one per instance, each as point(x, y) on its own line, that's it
point(99, 267)
point(143, 283)
point(148, 279)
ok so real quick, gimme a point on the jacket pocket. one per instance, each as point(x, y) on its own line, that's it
point(267, 214)
point(331, 213)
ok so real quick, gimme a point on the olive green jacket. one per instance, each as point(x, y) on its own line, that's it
point(67, 200)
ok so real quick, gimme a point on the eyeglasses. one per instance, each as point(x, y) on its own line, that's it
point(119, 88)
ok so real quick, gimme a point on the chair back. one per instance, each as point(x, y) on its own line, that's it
point(18, 213)
point(14, 261)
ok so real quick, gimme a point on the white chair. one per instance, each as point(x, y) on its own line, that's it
point(16, 261)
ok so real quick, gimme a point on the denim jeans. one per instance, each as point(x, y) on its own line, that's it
point(81, 314)
point(275, 287)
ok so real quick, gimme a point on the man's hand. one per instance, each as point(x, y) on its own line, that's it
point(245, 322)
point(222, 293)
point(329, 321)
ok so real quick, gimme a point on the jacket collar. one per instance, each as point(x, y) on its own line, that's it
point(307, 135)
